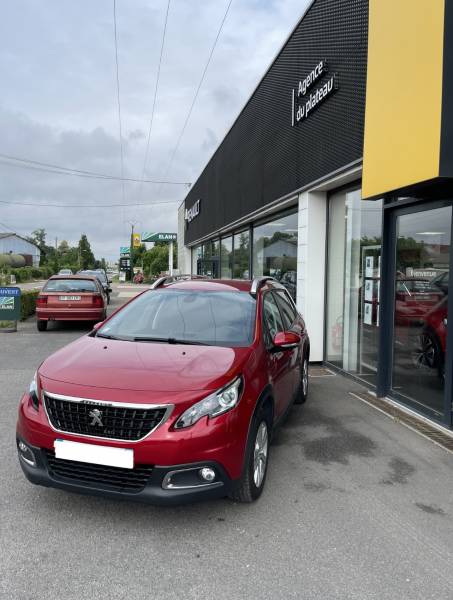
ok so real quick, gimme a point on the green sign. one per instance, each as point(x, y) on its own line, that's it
point(125, 250)
point(149, 236)
point(10, 304)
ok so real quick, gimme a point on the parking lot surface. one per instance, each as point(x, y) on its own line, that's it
point(355, 506)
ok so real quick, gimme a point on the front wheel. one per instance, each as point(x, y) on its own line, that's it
point(255, 469)
point(302, 392)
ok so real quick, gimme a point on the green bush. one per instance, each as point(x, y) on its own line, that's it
point(24, 274)
point(28, 303)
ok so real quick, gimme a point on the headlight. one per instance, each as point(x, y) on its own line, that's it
point(33, 390)
point(216, 404)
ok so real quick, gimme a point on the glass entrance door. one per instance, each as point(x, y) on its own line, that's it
point(422, 272)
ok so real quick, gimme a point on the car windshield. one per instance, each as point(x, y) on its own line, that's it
point(186, 316)
point(70, 285)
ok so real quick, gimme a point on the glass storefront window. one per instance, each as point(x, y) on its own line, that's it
point(209, 263)
point(241, 255)
point(353, 283)
point(421, 306)
point(275, 251)
point(197, 255)
point(226, 257)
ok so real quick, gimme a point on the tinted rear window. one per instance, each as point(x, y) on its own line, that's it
point(70, 285)
point(212, 318)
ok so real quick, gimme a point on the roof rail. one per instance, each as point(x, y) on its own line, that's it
point(258, 282)
point(173, 278)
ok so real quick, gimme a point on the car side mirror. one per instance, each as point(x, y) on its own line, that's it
point(110, 281)
point(286, 340)
point(109, 290)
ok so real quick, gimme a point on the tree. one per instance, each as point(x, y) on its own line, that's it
point(156, 260)
point(86, 256)
point(38, 237)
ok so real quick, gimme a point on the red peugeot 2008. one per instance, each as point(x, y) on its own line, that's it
point(171, 399)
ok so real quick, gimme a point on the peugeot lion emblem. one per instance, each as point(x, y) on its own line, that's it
point(96, 415)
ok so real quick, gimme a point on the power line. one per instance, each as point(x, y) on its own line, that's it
point(155, 93)
point(48, 205)
point(51, 168)
point(175, 149)
point(118, 99)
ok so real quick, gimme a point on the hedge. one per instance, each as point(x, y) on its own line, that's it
point(24, 274)
point(28, 303)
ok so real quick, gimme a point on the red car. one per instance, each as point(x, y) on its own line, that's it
point(431, 343)
point(174, 398)
point(71, 298)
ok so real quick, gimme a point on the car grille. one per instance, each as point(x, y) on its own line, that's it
point(113, 422)
point(114, 478)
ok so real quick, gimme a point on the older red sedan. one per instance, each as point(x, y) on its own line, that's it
point(73, 298)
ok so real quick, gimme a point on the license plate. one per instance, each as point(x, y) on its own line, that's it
point(70, 297)
point(97, 455)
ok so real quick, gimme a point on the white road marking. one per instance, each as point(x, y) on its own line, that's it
point(129, 294)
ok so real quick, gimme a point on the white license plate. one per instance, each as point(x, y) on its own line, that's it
point(98, 455)
point(70, 297)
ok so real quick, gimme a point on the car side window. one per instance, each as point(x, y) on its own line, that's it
point(272, 317)
point(287, 309)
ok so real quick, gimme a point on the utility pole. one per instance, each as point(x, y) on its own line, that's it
point(131, 249)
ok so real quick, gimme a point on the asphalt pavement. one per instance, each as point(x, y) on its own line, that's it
point(356, 506)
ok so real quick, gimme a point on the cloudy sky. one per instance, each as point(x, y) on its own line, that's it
point(58, 104)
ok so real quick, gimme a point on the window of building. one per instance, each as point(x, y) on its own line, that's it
point(241, 255)
point(275, 251)
point(353, 283)
point(423, 241)
point(197, 255)
point(226, 257)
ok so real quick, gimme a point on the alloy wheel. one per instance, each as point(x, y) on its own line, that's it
point(305, 377)
point(260, 454)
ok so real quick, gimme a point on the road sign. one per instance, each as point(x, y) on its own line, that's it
point(149, 236)
point(10, 304)
point(136, 240)
point(125, 249)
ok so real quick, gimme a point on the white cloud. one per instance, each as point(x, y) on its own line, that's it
point(59, 102)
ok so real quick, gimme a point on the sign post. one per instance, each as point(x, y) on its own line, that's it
point(10, 305)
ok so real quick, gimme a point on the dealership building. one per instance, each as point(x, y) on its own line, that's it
point(336, 179)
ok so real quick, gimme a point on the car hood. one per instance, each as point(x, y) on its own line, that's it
point(143, 366)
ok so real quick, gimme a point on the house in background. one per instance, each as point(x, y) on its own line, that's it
point(11, 243)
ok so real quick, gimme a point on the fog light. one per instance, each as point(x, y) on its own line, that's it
point(207, 474)
point(26, 454)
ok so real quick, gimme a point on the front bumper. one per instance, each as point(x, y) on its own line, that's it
point(152, 492)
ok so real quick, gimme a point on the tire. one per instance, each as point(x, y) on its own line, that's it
point(41, 325)
point(253, 478)
point(302, 393)
point(428, 355)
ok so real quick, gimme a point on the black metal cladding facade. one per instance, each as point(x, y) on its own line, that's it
point(263, 157)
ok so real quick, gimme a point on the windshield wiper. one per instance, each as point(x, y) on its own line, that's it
point(107, 336)
point(170, 340)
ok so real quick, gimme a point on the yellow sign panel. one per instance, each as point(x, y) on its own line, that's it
point(404, 94)
point(136, 240)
